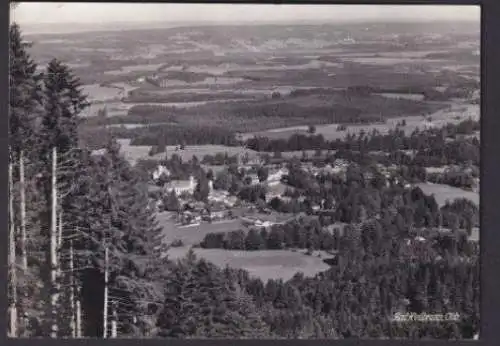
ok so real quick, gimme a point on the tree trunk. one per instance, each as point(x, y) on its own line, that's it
point(59, 249)
point(105, 309)
point(23, 245)
point(78, 317)
point(60, 231)
point(54, 294)
point(72, 323)
point(24, 256)
point(12, 262)
point(114, 323)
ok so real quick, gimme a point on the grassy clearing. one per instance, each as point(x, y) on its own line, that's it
point(443, 193)
point(114, 109)
point(265, 264)
point(389, 60)
point(193, 235)
point(201, 150)
point(135, 68)
point(135, 152)
point(414, 97)
point(97, 93)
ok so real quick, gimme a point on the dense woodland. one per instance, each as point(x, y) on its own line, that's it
point(80, 223)
point(223, 120)
point(432, 147)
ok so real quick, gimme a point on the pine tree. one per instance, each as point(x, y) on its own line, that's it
point(63, 102)
point(113, 206)
point(24, 93)
point(24, 104)
point(202, 302)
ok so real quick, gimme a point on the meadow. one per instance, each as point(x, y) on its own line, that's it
point(135, 68)
point(265, 264)
point(193, 234)
point(444, 193)
point(201, 150)
point(133, 153)
point(97, 93)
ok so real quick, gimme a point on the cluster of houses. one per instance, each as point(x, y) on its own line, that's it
point(220, 202)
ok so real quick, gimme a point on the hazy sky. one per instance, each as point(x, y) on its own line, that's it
point(35, 13)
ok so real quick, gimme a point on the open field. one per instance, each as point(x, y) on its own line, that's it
point(135, 68)
point(113, 108)
point(415, 97)
point(193, 234)
point(475, 235)
point(201, 150)
point(97, 93)
point(137, 152)
point(265, 264)
point(455, 114)
point(133, 153)
point(443, 193)
point(389, 61)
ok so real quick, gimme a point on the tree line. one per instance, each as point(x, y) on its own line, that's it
point(431, 146)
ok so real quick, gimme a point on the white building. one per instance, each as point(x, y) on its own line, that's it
point(181, 186)
point(275, 178)
point(254, 177)
point(428, 125)
point(160, 171)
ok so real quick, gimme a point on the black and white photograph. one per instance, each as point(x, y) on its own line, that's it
point(244, 171)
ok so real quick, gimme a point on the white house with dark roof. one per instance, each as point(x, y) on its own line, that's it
point(181, 186)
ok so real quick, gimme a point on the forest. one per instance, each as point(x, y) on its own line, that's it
point(85, 249)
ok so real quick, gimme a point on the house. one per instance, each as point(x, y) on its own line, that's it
point(340, 166)
point(230, 201)
point(285, 199)
point(428, 124)
point(181, 186)
point(254, 177)
point(160, 171)
point(99, 152)
point(264, 224)
point(275, 178)
point(275, 190)
point(217, 196)
point(216, 214)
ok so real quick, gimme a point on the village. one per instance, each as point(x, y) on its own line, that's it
point(176, 197)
